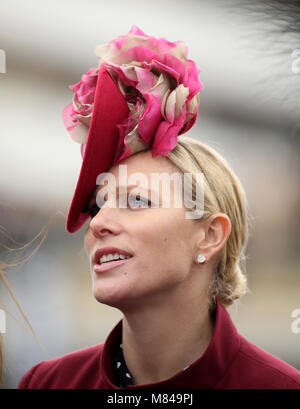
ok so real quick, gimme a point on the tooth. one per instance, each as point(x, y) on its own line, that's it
point(109, 257)
point(102, 259)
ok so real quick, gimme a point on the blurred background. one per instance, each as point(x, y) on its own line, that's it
point(249, 112)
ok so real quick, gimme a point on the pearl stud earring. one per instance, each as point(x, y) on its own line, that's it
point(201, 258)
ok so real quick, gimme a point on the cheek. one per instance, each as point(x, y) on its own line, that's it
point(88, 241)
point(164, 243)
point(176, 244)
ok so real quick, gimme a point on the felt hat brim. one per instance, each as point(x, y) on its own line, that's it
point(110, 109)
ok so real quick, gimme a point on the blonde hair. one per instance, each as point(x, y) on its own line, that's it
point(223, 193)
point(41, 236)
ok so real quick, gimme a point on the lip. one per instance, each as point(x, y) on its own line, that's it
point(107, 250)
point(101, 268)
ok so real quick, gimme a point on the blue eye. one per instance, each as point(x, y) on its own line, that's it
point(141, 203)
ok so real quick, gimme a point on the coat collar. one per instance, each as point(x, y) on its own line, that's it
point(204, 373)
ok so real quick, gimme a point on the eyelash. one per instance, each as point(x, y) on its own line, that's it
point(94, 209)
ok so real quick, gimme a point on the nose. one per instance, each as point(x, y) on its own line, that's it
point(101, 226)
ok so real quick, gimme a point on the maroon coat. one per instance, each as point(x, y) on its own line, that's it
point(230, 361)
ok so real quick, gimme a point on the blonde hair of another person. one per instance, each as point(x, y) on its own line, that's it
point(18, 247)
point(223, 192)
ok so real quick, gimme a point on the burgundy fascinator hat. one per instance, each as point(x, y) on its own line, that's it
point(143, 94)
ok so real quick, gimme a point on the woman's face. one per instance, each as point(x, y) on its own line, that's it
point(160, 240)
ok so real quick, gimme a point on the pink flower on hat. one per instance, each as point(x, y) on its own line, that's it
point(77, 116)
point(159, 83)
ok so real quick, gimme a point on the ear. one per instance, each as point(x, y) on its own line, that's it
point(214, 234)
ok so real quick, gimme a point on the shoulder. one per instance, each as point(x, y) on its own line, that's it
point(67, 371)
point(254, 367)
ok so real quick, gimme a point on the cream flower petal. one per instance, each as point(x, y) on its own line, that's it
point(133, 40)
point(180, 51)
point(192, 108)
point(121, 85)
point(163, 103)
point(80, 133)
point(85, 120)
point(106, 52)
point(175, 102)
point(193, 104)
point(182, 93)
point(162, 85)
point(110, 53)
point(130, 72)
point(170, 106)
point(134, 142)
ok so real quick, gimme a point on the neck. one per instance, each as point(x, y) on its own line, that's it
point(160, 342)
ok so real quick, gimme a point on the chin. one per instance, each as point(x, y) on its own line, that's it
point(121, 299)
point(111, 297)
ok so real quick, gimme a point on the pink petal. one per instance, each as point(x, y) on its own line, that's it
point(166, 137)
point(67, 117)
point(121, 73)
point(146, 79)
point(150, 118)
point(139, 53)
point(189, 123)
point(135, 30)
point(164, 68)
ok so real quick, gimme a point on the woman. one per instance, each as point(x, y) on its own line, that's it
point(172, 271)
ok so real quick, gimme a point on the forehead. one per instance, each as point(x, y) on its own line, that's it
point(143, 162)
point(140, 163)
